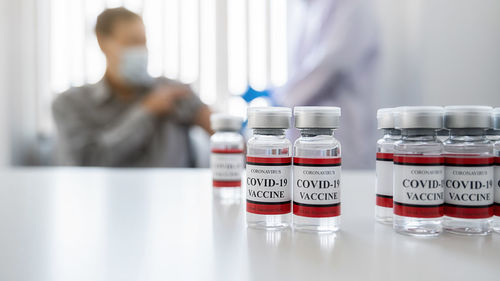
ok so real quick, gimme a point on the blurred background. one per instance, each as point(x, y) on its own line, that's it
point(234, 53)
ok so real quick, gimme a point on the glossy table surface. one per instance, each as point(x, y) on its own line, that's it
point(164, 224)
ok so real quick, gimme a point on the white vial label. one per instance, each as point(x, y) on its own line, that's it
point(468, 187)
point(418, 186)
point(268, 185)
point(497, 187)
point(383, 170)
point(227, 165)
point(316, 187)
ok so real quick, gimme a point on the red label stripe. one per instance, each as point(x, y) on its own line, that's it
point(418, 211)
point(463, 154)
point(418, 160)
point(227, 151)
point(385, 156)
point(261, 208)
point(318, 161)
point(497, 160)
point(496, 209)
point(481, 212)
point(469, 161)
point(316, 211)
point(269, 160)
point(384, 201)
point(217, 183)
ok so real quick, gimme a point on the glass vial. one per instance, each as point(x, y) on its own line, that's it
point(226, 159)
point(316, 170)
point(269, 170)
point(383, 168)
point(418, 171)
point(468, 186)
point(443, 135)
point(493, 135)
point(496, 152)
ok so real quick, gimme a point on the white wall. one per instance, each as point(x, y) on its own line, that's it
point(439, 52)
point(18, 128)
point(4, 155)
point(461, 53)
point(398, 75)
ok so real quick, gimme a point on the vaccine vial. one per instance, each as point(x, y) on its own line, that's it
point(269, 170)
point(468, 186)
point(316, 170)
point(418, 171)
point(226, 159)
point(383, 168)
point(496, 151)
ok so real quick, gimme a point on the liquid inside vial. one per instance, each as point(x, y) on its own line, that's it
point(317, 182)
point(268, 182)
point(384, 176)
point(468, 185)
point(226, 162)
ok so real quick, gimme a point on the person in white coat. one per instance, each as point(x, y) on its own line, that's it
point(332, 63)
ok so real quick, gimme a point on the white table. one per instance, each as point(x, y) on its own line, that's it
point(163, 224)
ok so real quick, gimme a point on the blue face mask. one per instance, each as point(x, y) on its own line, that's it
point(134, 67)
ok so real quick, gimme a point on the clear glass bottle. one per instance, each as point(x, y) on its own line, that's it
point(268, 170)
point(443, 134)
point(226, 159)
point(469, 189)
point(496, 152)
point(384, 166)
point(316, 170)
point(493, 135)
point(418, 171)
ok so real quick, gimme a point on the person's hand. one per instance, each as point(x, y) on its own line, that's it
point(162, 99)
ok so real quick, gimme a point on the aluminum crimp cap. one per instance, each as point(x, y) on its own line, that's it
point(269, 117)
point(317, 117)
point(496, 118)
point(385, 118)
point(225, 122)
point(467, 116)
point(418, 117)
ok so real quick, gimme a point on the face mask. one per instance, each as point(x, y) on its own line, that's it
point(134, 66)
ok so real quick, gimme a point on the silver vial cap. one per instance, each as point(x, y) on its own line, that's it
point(418, 117)
point(385, 118)
point(269, 117)
point(225, 122)
point(317, 117)
point(467, 116)
point(496, 118)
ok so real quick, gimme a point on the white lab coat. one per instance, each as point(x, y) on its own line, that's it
point(333, 64)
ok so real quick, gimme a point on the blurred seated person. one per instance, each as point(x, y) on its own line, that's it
point(128, 118)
